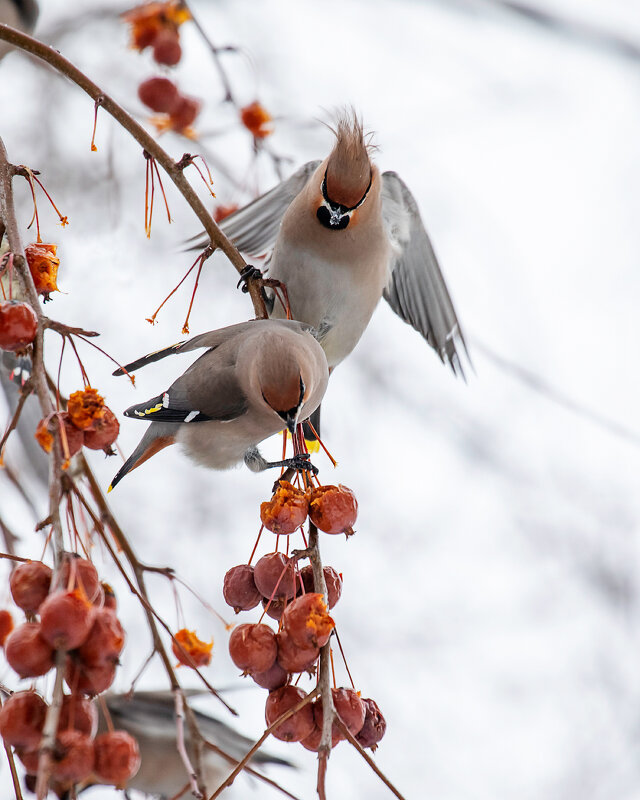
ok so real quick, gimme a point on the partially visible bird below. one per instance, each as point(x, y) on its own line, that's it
point(150, 718)
point(20, 14)
point(255, 379)
point(342, 236)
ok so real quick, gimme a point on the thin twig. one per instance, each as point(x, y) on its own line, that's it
point(352, 740)
point(182, 750)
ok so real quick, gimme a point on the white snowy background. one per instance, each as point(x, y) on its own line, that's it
point(490, 602)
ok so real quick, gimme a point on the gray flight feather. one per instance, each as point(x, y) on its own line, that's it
point(416, 290)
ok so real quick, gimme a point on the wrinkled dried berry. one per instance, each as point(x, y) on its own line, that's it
point(307, 621)
point(332, 578)
point(117, 757)
point(66, 619)
point(79, 573)
point(274, 608)
point(18, 325)
point(333, 509)
point(296, 727)
point(374, 726)
point(159, 94)
point(27, 652)
point(191, 651)
point(22, 719)
point(72, 758)
point(29, 584)
point(271, 679)
point(89, 680)
point(293, 658)
point(104, 432)
point(79, 713)
point(274, 575)
point(239, 588)
point(253, 648)
point(286, 511)
point(104, 641)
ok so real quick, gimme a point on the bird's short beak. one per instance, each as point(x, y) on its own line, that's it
point(292, 421)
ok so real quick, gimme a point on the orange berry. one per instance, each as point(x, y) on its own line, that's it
point(18, 325)
point(191, 651)
point(286, 511)
point(333, 509)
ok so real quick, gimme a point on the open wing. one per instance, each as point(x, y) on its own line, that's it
point(254, 228)
point(416, 290)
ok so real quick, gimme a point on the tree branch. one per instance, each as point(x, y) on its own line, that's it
point(148, 143)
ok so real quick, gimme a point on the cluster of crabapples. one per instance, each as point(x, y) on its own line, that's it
point(87, 421)
point(288, 595)
point(75, 615)
point(157, 26)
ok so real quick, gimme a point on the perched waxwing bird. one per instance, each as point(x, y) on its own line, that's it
point(342, 236)
point(255, 379)
point(19, 14)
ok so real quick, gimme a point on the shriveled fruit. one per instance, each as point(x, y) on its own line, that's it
point(374, 726)
point(6, 625)
point(307, 621)
point(79, 573)
point(159, 94)
point(22, 719)
point(256, 119)
point(18, 325)
point(239, 588)
point(66, 619)
point(27, 652)
point(333, 509)
point(105, 639)
point(332, 578)
point(183, 115)
point(272, 678)
point(253, 648)
point(29, 760)
point(59, 422)
point(166, 49)
point(43, 265)
point(191, 651)
point(296, 727)
point(349, 708)
point(29, 584)
point(293, 658)
point(274, 608)
point(89, 680)
point(79, 713)
point(117, 757)
point(72, 758)
point(84, 407)
point(274, 575)
point(286, 511)
point(104, 432)
point(312, 742)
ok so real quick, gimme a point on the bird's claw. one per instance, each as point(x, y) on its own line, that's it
point(249, 273)
point(301, 462)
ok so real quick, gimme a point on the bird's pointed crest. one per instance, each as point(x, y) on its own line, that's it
point(348, 166)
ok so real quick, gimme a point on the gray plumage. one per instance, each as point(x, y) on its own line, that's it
point(255, 379)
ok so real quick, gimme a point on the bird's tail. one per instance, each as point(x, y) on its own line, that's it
point(157, 437)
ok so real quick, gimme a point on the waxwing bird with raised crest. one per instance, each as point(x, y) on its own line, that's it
point(255, 379)
point(342, 236)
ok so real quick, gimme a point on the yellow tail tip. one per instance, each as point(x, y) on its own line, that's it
point(313, 446)
point(109, 489)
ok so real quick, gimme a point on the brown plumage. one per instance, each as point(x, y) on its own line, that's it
point(348, 165)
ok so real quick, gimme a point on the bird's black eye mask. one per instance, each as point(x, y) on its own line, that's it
point(335, 216)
